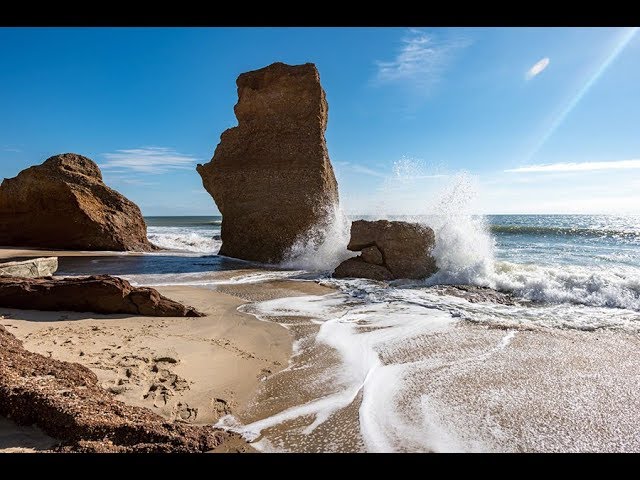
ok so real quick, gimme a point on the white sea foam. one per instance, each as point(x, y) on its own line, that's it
point(344, 328)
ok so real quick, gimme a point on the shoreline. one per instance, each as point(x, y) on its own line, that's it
point(489, 385)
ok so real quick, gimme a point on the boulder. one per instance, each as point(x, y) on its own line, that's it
point(65, 400)
point(390, 250)
point(271, 176)
point(99, 294)
point(29, 268)
point(63, 203)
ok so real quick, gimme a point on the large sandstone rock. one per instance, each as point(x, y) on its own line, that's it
point(100, 294)
point(29, 268)
point(390, 250)
point(66, 402)
point(63, 203)
point(270, 176)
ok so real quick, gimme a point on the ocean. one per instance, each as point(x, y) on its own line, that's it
point(411, 367)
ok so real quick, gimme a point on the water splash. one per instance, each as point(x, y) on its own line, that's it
point(464, 249)
point(323, 247)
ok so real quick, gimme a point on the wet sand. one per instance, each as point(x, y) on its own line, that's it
point(472, 389)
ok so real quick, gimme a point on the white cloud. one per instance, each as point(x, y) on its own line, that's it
point(537, 68)
point(12, 150)
point(420, 61)
point(577, 167)
point(148, 160)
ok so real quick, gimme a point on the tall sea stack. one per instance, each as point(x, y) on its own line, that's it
point(271, 176)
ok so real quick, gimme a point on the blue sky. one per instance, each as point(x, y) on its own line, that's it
point(543, 120)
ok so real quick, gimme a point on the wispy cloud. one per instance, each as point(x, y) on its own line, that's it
point(12, 150)
point(148, 160)
point(537, 68)
point(357, 168)
point(577, 167)
point(121, 180)
point(421, 61)
point(367, 171)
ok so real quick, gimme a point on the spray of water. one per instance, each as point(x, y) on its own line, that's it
point(324, 246)
point(464, 249)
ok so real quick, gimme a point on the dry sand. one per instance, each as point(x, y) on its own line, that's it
point(187, 369)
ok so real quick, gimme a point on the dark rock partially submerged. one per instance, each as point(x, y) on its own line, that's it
point(390, 250)
point(475, 294)
point(63, 203)
point(100, 294)
point(271, 176)
point(65, 401)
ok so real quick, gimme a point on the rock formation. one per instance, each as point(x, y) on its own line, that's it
point(29, 268)
point(99, 294)
point(271, 176)
point(66, 402)
point(63, 203)
point(390, 250)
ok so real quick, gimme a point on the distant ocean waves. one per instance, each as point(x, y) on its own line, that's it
point(564, 231)
point(195, 234)
point(183, 239)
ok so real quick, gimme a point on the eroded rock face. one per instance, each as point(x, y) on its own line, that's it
point(63, 203)
point(99, 294)
point(66, 402)
point(271, 176)
point(29, 268)
point(390, 250)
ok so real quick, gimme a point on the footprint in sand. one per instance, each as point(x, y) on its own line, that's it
point(164, 383)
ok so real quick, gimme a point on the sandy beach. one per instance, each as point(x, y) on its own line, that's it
point(495, 387)
point(187, 369)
